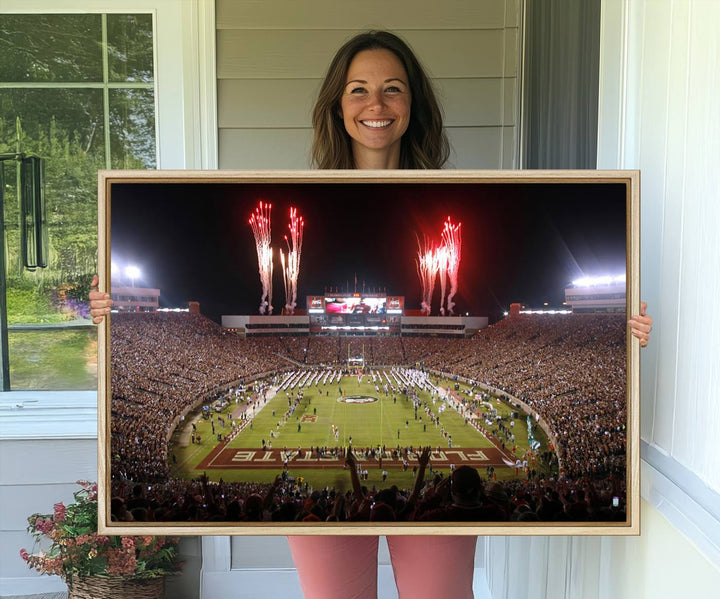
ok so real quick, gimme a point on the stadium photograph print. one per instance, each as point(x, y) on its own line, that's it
point(369, 352)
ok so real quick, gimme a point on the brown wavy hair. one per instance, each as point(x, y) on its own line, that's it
point(423, 146)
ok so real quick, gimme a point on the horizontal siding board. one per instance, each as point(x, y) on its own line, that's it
point(265, 148)
point(512, 13)
point(272, 103)
point(275, 54)
point(510, 148)
point(370, 14)
point(52, 461)
point(471, 102)
point(254, 54)
point(510, 105)
point(19, 501)
point(11, 564)
point(474, 147)
point(259, 103)
point(253, 552)
point(471, 148)
point(512, 52)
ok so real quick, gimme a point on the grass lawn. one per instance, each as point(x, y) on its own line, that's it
point(54, 359)
point(388, 421)
point(370, 424)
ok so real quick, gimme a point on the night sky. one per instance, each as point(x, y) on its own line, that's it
point(522, 242)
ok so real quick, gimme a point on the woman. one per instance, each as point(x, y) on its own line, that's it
point(376, 75)
point(377, 110)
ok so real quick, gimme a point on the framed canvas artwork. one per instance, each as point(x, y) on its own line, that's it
point(369, 352)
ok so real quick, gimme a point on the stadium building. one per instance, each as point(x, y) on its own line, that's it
point(135, 299)
point(601, 294)
point(369, 314)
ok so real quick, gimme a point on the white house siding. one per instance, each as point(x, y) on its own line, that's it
point(271, 57)
point(659, 85)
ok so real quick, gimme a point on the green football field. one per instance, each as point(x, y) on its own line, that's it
point(389, 421)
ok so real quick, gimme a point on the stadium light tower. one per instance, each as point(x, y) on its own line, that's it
point(132, 272)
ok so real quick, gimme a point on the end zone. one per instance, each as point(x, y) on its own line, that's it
point(224, 458)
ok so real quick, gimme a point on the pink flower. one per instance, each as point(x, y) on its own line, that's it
point(43, 526)
point(59, 512)
point(71, 554)
point(121, 561)
point(128, 542)
point(53, 565)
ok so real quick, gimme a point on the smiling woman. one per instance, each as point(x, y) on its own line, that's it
point(375, 108)
point(364, 105)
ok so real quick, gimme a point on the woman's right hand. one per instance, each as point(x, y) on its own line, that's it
point(641, 325)
point(100, 303)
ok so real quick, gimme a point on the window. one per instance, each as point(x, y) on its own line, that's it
point(77, 90)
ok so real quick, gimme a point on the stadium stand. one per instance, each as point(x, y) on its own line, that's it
point(569, 369)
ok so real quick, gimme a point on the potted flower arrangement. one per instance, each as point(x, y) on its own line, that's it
point(94, 565)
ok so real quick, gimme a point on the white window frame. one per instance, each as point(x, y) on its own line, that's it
point(186, 138)
point(185, 80)
point(186, 131)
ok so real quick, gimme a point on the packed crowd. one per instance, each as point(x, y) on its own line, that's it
point(570, 370)
point(462, 496)
point(380, 351)
point(162, 363)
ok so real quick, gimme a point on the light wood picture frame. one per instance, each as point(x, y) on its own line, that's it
point(544, 406)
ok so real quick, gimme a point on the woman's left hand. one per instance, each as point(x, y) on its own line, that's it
point(100, 302)
point(641, 325)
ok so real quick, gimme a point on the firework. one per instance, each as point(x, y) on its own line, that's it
point(260, 223)
point(442, 261)
point(452, 239)
point(427, 271)
point(441, 265)
point(291, 265)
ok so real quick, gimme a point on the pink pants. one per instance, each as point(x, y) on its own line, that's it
point(345, 567)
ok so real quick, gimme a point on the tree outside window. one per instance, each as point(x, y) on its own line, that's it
point(78, 91)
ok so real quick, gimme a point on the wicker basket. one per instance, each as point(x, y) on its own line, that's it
point(116, 587)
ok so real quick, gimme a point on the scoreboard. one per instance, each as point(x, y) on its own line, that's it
point(355, 312)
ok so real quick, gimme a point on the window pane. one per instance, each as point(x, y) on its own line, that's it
point(50, 118)
point(65, 127)
point(52, 343)
point(54, 359)
point(130, 47)
point(50, 48)
point(132, 128)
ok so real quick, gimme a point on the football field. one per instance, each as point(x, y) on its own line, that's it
point(384, 428)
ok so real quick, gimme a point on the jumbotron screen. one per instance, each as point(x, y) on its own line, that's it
point(355, 305)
